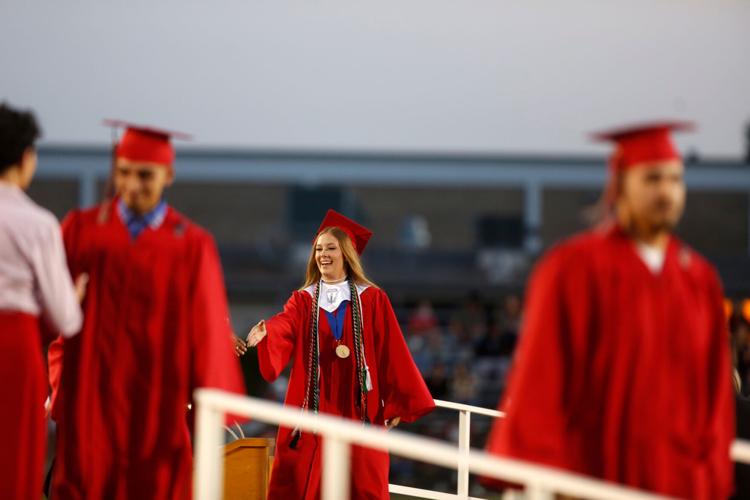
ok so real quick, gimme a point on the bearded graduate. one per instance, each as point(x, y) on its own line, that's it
point(622, 372)
point(349, 359)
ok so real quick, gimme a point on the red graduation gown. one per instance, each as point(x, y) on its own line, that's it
point(398, 390)
point(623, 374)
point(156, 327)
point(23, 389)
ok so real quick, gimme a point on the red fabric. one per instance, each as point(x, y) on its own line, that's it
point(54, 367)
point(359, 235)
point(398, 390)
point(636, 149)
point(638, 144)
point(23, 389)
point(622, 374)
point(156, 327)
point(146, 146)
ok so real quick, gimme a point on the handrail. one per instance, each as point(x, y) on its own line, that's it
point(421, 493)
point(340, 433)
point(472, 409)
point(739, 451)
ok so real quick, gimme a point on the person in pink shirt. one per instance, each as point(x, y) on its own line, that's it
point(36, 293)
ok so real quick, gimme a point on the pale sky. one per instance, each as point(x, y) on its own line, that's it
point(480, 76)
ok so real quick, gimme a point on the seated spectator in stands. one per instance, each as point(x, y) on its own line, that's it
point(423, 319)
point(493, 354)
point(508, 316)
point(437, 381)
point(494, 344)
point(419, 353)
point(471, 319)
point(464, 385)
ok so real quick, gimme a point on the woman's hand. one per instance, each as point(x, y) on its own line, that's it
point(390, 424)
point(240, 347)
point(257, 334)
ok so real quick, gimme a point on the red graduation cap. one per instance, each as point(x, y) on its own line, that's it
point(642, 143)
point(638, 144)
point(145, 143)
point(359, 235)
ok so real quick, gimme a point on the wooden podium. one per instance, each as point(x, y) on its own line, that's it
point(247, 468)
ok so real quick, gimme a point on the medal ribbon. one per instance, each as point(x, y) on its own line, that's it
point(336, 320)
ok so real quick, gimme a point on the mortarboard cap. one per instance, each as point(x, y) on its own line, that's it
point(643, 143)
point(145, 143)
point(359, 235)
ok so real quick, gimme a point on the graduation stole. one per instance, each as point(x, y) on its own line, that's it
point(312, 390)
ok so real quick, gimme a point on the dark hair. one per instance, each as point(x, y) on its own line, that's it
point(18, 132)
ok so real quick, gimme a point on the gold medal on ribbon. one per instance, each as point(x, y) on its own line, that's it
point(342, 351)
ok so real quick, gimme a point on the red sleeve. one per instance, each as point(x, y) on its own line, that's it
point(214, 362)
point(541, 393)
point(70, 228)
point(721, 431)
point(402, 386)
point(54, 363)
point(277, 347)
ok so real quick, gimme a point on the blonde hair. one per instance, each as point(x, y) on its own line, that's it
point(352, 263)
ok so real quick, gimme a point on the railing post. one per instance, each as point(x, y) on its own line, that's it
point(336, 454)
point(464, 446)
point(536, 491)
point(208, 478)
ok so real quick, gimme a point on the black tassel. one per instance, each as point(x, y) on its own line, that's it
point(295, 439)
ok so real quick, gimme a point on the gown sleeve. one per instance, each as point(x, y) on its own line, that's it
point(277, 346)
point(215, 364)
point(70, 229)
point(721, 430)
point(541, 393)
point(54, 364)
point(402, 386)
point(54, 288)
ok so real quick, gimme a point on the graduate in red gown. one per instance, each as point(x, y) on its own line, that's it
point(36, 295)
point(156, 327)
point(349, 358)
point(622, 372)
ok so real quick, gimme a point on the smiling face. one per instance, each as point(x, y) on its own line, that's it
point(141, 185)
point(329, 257)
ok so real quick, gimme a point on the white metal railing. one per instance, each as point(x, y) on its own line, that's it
point(339, 434)
point(740, 452)
point(464, 448)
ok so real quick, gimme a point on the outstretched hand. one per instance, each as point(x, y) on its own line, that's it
point(390, 424)
point(257, 333)
point(240, 347)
